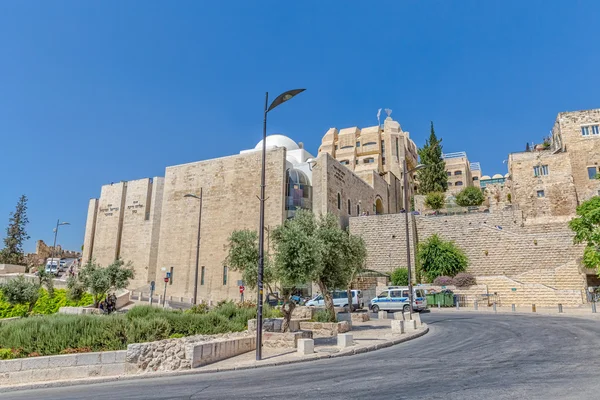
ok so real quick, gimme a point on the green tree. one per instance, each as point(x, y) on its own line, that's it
point(12, 253)
point(399, 277)
point(242, 256)
point(435, 200)
point(438, 257)
point(99, 281)
point(433, 178)
point(356, 254)
point(469, 197)
point(46, 279)
point(587, 230)
point(21, 291)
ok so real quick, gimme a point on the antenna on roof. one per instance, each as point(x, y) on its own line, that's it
point(388, 112)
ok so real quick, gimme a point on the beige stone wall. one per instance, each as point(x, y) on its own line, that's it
point(459, 174)
point(560, 196)
point(90, 230)
point(230, 187)
point(497, 244)
point(109, 220)
point(583, 151)
point(137, 228)
point(330, 178)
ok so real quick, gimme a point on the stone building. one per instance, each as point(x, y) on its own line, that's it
point(458, 169)
point(375, 151)
point(152, 223)
point(552, 179)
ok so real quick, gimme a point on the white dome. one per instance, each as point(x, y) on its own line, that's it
point(278, 141)
point(497, 176)
point(485, 177)
point(507, 175)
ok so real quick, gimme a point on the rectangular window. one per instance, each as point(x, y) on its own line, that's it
point(585, 130)
point(540, 193)
point(397, 150)
point(224, 275)
point(382, 147)
point(357, 144)
point(595, 130)
point(536, 171)
point(592, 172)
point(544, 170)
point(449, 173)
point(202, 276)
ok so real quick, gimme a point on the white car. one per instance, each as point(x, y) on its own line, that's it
point(395, 298)
point(340, 299)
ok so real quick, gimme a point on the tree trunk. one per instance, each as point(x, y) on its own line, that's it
point(350, 304)
point(328, 301)
point(287, 308)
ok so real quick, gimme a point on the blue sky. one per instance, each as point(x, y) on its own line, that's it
point(99, 92)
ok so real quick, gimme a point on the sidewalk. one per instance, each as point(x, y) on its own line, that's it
point(581, 312)
point(368, 336)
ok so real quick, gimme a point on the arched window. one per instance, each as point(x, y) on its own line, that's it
point(349, 208)
point(458, 183)
point(457, 172)
point(449, 173)
point(339, 202)
point(475, 178)
point(449, 183)
point(369, 143)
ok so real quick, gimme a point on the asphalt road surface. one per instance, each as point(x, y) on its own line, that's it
point(464, 356)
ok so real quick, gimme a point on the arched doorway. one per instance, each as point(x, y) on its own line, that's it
point(378, 206)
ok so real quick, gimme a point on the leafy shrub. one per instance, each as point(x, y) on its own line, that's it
point(399, 277)
point(176, 336)
point(443, 281)
point(44, 304)
point(438, 257)
point(7, 354)
point(469, 197)
point(272, 312)
point(435, 200)
point(201, 308)
point(464, 280)
point(323, 316)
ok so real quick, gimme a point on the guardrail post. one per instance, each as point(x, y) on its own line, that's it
point(560, 310)
point(513, 308)
point(533, 308)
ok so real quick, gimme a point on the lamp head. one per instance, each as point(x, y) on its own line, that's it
point(282, 98)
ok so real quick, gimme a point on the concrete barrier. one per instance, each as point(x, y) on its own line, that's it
point(306, 347)
point(399, 316)
point(382, 314)
point(360, 317)
point(344, 340)
point(69, 366)
point(410, 325)
point(417, 318)
point(211, 352)
point(397, 326)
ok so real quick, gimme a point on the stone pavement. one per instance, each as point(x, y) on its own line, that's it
point(368, 336)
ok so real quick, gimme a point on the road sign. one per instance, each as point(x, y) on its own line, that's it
point(242, 289)
point(168, 274)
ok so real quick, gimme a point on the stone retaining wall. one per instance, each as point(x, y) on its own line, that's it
point(326, 328)
point(69, 366)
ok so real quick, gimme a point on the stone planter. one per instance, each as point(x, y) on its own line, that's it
point(326, 328)
point(274, 325)
point(360, 317)
point(285, 339)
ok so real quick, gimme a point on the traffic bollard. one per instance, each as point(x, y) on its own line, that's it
point(560, 308)
point(533, 308)
point(513, 308)
point(494, 306)
point(475, 304)
point(594, 307)
point(439, 305)
point(457, 304)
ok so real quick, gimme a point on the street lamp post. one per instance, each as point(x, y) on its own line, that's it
point(58, 223)
point(282, 98)
point(406, 211)
point(195, 301)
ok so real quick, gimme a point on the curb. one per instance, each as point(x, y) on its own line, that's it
point(166, 374)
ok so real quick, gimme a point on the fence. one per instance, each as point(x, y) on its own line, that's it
point(464, 300)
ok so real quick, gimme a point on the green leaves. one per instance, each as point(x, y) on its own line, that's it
point(435, 200)
point(399, 277)
point(12, 253)
point(587, 230)
point(98, 281)
point(470, 196)
point(243, 257)
point(438, 257)
point(20, 291)
point(434, 177)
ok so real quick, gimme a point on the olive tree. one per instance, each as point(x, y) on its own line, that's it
point(469, 197)
point(98, 281)
point(21, 291)
point(587, 230)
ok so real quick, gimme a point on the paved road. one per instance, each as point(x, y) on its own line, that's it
point(465, 356)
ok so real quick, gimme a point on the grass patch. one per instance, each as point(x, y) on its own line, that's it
point(65, 334)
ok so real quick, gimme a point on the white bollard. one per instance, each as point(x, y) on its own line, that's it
point(399, 316)
point(344, 340)
point(382, 315)
point(410, 325)
point(397, 326)
point(417, 318)
point(306, 347)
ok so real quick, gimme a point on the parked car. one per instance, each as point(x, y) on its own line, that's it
point(395, 298)
point(340, 299)
point(52, 267)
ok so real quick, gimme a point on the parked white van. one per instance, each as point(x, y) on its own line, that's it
point(340, 299)
point(395, 298)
